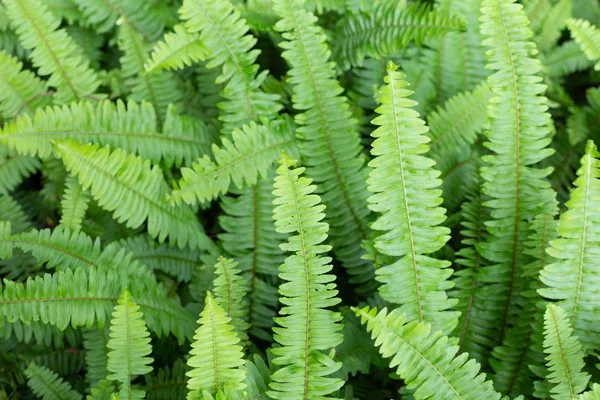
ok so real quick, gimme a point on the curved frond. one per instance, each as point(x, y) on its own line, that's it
point(14, 213)
point(566, 59)
point(47, 385)
point(52, 50)
point(73, 205)
point(565, 356)
point(425, 361)
point(307, 327)
point(216, 356)
point(587, 36)
point(129, 346)
point(230, 290)
point(134, 191)
point(14, 169)
point(178, 49)
point(404, 186)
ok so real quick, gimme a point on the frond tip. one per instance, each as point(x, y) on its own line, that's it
point(587, 36)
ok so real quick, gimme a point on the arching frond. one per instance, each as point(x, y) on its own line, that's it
point(250, 152)
point(178, 49)
point(14, 169)
point(404, 184)
point(47, 385)
point(566, 59)
point(230, 290)
point(587, 36)
point(565, 356)
point(131, 127)
point(129, 347)
point(13, 212)
point(73, 204)
point(52, 50)
point(134, 194)
point(573, 279)
point(306, 326)
point(216, 356)
point(426, 361)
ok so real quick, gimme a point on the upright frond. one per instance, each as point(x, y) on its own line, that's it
point(404, 186)
point(96, 353)
point(73, 204)
point(230, 290)
point(129, 347)
point(306, 327)
point(565, 356)
point(587, 36)
point(426, 361)
point(47, 385)
point(52, 50)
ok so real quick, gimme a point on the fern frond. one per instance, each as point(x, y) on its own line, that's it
point(550, 20)
point(96, 352)
point(230, 290)
point(14, 213)
point(20, 90)
point(387, 29)
point(73, 204)
point(103, 390)
point(224, 33)
point(572, 279)
point(592, 394)
point(565, 356)
point(129, 346)
point(518, 137)
point(47, 385)
point(587, 36)
point(169, 383)
point(134, 191)
point(404, 184)
point(14, 169)
point(426, 361)
point(52, 50)
point(178, 49)
point(566, 59)
point(250, 152)
point(131, 127)
point(330, 145)
point(216, 356)
point(306, 326)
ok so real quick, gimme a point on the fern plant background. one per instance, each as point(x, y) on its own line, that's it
point(299, 199)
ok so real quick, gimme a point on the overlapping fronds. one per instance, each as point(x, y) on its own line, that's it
point(134, 191)
point(168, 383)
point(20, 90)
point(14, 168)
point(404, 186)
point(74, 204)
point(426, 361)
point(564, 355)
point(178, 49)
point(386, 29)
point(131, 127)
point(330, 145)
point(306, 326)
point(216, 356)
point(230, 290)
point(573, 279)
point(52, 51)
point(224, 33)
point(258, 377)
point(250, 152)
point(47, 385)
point(587, 36)
point(129, 347)
point(518, 137)
point(547, 20)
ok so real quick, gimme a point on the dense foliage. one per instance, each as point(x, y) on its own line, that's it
point(299, 199)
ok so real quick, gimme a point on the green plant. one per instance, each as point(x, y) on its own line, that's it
point(299, 199)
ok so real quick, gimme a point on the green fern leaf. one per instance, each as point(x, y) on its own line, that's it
point(587, 36)
point(566, 59)
point(404, 186)
point(216, 356)
point(129, 346)
point(565, 356)
point(47, 385)
point(14, 169)
point(593, 394)
point(230, 290)
point(96, 353)
point(52, 50)
point(178, 49)
point(571, 279)
point(169, 383)
point(258, 377)
point(14, 213)
point(306, 326)
point(73, 204)
point(426, 361)
point(134, 194)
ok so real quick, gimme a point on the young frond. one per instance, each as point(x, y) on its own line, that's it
point(134, 191)
point(426, 361)
point(20, 90)
point(404, 186)
point(573, 279)
point(249, 153)
point(330, 144)
point(129, 126)
point(230, 290)
point(129, 346)
point(47, 385)
point(565, 356)
point(53, 52)
point(386, 29)
point(306, 327)
point(178, 49)
point(74, 204)
point(216, 356)
point(587, 36)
